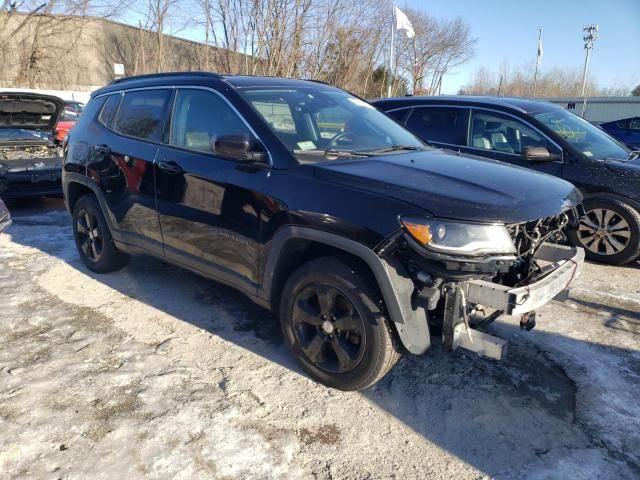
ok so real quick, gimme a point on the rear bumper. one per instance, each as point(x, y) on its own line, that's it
point(564, 265)
point(31, 183)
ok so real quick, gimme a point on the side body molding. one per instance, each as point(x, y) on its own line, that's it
point(395, 285)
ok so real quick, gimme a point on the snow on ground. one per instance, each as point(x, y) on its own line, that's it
point(154, 372)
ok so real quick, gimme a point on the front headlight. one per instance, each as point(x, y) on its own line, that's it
point(458, 238)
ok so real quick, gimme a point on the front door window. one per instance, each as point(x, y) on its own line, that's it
point(504, 134)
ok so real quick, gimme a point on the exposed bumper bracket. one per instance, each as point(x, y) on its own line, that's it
point(479, 342)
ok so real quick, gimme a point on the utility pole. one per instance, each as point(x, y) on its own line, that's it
point(590, 36)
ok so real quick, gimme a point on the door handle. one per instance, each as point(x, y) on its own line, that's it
point(170, 167)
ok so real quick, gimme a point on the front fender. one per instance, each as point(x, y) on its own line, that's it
point(395, 285)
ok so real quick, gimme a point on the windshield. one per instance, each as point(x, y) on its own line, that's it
point(582, 135)
point(321, 123)
point(23, 135)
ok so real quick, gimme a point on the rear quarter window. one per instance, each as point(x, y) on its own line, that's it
point(109, 109)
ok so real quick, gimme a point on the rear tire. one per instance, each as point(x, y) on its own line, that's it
point(93, 238)
point(333, 323)
point(609, 232)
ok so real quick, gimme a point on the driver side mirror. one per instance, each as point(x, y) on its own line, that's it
point(539, 154)
point(238, 146)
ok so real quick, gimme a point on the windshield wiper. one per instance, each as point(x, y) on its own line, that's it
point(395, 148)
point(330, 152)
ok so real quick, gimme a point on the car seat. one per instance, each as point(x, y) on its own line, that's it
point(479, 138)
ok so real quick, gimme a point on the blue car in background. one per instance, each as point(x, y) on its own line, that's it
point(626, 130)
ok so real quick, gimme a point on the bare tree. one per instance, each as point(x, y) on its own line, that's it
point(438, 45)
point(557, 82)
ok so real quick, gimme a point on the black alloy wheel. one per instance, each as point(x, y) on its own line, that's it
point(335, 324)
point(93, 237)
point(90, 236)
point(329, 328)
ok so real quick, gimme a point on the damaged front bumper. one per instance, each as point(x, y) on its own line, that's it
point(562, 264)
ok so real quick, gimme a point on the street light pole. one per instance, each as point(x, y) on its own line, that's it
point(590, 36)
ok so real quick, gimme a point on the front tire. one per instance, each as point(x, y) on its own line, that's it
point(609, 232)
point(332, 321)
point(93, 238)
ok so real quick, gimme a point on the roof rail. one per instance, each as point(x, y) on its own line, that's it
point(163, 75)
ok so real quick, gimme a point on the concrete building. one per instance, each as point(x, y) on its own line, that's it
point(68, 53)
point(601, 109)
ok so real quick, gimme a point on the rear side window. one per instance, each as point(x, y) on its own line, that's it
point(142, 113)
point(438, 124)
point(109, 109)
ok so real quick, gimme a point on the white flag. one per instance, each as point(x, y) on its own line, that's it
point(403, 23)
point(539, 59)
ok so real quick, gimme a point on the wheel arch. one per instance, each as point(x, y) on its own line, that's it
point(292, 245)
point(592, 195)
point(73, 192)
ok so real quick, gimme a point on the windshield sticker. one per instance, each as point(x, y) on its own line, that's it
point(306, 145)
point(359, 102)
point(588, 154)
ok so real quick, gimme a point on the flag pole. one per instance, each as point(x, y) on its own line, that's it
point(393, 27)
point(535, 75)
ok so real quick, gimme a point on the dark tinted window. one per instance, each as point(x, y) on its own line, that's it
point(142, 113)
point(399, 115)
point(199, 115)
point(109, 109)
point(437, 124)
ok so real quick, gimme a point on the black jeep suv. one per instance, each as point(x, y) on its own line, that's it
point(319, 207)
point(547, 138)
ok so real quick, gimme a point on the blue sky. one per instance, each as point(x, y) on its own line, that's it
point(508, 30)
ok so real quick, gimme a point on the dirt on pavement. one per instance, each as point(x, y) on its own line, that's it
point(155, 372)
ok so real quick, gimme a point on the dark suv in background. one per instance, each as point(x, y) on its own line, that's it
point(543, 137)
point(318, 207)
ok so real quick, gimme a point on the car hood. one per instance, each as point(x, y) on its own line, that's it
point(29, 110)
point(454, 186)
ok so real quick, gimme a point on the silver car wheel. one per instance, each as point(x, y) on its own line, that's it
point(604, 231)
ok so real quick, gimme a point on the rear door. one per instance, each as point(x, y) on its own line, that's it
point(121, 162)
point(504, 137)
point(209, 206)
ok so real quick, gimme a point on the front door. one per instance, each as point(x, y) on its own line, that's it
point(209, 207)
point(503, 137)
